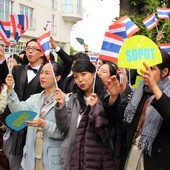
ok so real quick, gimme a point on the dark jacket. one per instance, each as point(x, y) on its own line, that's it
point(66, 62)
point(3, 71)
point(92, 149)
point(115, 115)
point(160, 155)
point(66, 119)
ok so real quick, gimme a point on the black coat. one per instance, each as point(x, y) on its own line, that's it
point(3, 71)
point(160, 155)
point(115, 114)
point(66, 62)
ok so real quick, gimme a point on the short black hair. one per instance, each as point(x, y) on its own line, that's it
point(80, 56)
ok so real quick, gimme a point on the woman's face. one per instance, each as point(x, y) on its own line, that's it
point(156, 72)
point(46, 77)
point(84, 80)
point(104, 72)
point(99, 63)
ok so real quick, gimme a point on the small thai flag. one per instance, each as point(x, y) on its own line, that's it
point(5, 30)
point(44, 44)
point(131, 27)
point(163, 13)
point(111, 47)
point(150, 22)
point(118, 29)
point(165, 46)
point(93, 58)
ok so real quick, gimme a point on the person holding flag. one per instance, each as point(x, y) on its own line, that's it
point(84, 122)
point(26, 79)
point(43, 138)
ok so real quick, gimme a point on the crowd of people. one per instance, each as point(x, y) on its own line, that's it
point(88, 116)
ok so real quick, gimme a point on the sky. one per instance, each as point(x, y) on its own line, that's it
point(97, 16)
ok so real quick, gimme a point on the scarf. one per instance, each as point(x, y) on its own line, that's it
point(153, 119)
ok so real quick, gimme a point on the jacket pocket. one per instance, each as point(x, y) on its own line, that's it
point(54, 158)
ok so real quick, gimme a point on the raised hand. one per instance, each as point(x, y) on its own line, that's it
point(9, 82)
point(92, 100)
point(150, 80)
point(148, 76)
point(59, 97)
point(53, 43)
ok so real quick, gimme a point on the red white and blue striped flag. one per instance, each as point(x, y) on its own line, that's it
point(165, 46)
point(131, 27)
point(44, 44)
point(5, 30)
point(19, 25)
point(110, 47)
point(118, 29)
point(163, 13)
point(150, 22)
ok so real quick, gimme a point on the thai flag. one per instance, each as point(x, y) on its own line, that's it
point(165, 46)
point(5, 30)
point(163, 13)
point(93, 58)
point(44, 44)
point(118, 29)
point(150, 22)
point(19, 25)
point(18, 33)
point(110, 47)
point(131, 27)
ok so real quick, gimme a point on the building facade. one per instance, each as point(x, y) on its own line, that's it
point(61, 14)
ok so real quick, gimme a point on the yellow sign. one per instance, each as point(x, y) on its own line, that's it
point(139, 49)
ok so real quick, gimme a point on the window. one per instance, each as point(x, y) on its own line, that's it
point(68, 6)
point(54, 5)
point(79, 6)
point(5, 9)
point(29, 12)
point(53, 26)
point(11, 50)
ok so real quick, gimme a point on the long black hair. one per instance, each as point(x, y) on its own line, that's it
point(81, 66)
point(165, 61)
point(112, 68)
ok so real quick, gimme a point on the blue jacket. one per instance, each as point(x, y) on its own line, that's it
point(52, 136)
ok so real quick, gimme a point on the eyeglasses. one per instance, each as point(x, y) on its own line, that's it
point(32, 48)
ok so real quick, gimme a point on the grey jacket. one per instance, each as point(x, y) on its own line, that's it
point(66, 119)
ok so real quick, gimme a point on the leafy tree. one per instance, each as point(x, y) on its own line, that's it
point(138, 10)
point(72, 51)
